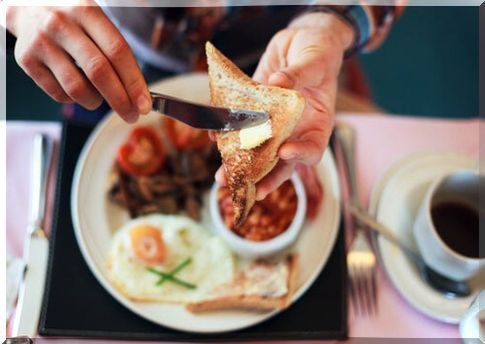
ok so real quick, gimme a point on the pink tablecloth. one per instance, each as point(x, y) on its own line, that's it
point(381, 140)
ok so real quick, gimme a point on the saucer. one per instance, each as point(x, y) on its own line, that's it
point(394, 202)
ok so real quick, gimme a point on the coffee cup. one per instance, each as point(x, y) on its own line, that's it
point(446, 228)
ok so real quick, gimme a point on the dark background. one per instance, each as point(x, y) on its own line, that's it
point(428, 66)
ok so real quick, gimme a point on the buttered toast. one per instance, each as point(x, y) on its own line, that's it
point(244, 167)
point(260, 286)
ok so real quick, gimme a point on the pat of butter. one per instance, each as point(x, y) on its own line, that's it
point(254, 136)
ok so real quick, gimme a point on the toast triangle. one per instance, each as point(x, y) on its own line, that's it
point(240, 293)
point(230, 87)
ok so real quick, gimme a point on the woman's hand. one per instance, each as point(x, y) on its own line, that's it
point(75, 54)
point(307, 57)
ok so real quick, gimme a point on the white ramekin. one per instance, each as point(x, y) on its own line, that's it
point(260, 249)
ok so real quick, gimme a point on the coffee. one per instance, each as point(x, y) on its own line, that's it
point(457, 225)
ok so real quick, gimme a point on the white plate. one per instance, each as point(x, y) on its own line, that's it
point(96, 219)
point(394, 202)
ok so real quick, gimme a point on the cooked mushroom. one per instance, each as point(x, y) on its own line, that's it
point(178, 187)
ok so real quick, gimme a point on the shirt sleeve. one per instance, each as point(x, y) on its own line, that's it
point(381, 20)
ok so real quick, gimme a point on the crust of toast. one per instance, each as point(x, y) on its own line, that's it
point(230, 87)
point(251, 302)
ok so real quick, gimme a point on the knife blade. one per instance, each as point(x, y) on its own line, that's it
point(205, 116)
point(36, 245)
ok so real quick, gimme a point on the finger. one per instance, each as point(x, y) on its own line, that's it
point(116, 49)
point(273, 57)
point(309, 176)
point(221, 176)
point(313, 189)
point(274, 179)
point(263, 70)
point(307, 70)
point(307, 150)
point(44, 78)
point(93, 63)
point(310, 180)
point(73, 82)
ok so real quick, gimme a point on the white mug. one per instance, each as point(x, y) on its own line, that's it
point(471, 330)
point(459, 186)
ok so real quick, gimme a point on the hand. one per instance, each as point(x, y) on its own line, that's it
point(307, 57)
point(313, 189)
point(75, 54)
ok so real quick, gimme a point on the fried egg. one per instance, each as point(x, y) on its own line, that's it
point(158, 243)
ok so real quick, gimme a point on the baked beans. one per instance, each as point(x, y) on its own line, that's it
point(267, 219)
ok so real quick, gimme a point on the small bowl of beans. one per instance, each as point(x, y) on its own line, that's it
point(271, 226)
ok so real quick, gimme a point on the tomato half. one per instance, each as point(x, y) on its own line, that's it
point(184, 137)
point(142, 154)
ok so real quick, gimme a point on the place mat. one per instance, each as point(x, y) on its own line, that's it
point(76, 305)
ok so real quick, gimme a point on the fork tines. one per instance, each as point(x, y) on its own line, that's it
point(362, 264)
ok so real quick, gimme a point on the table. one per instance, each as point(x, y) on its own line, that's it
point(381, 140)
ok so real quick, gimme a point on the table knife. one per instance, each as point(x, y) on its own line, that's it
point(36, 246)
point(205, 116)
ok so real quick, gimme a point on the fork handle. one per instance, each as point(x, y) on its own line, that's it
point(346, 140)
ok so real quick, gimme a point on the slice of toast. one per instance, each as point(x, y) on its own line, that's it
point(230, 87)
point(260, 286)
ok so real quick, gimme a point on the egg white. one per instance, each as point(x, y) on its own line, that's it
point(212, 261)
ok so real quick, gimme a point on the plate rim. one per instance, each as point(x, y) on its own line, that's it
point(373, 208)
point(327, 158)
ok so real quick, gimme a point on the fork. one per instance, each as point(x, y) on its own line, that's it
point(361, 259)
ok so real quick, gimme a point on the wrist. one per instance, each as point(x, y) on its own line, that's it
point(337, 27)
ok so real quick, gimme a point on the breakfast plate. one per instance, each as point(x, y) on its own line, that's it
point(96, 219)
point(394, 202)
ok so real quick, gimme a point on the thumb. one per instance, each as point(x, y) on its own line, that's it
point(307, 70)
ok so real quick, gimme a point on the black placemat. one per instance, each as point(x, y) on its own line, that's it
point(76, 305)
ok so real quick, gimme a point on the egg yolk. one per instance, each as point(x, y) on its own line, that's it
point(148, 244)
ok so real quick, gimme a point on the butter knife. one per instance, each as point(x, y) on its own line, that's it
point(205, 116)
point(36, 246)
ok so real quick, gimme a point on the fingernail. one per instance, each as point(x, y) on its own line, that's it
point(260, 195)
point(218, 176)
point(144, 104)
point(285, 155)
point(132, 117)
point(282, 79)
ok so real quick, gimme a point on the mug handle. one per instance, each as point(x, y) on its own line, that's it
point(470, 330)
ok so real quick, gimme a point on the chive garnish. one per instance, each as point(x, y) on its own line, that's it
point(170, 276)
point(179, 267)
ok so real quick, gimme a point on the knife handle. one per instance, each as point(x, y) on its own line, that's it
point(32, 289)
point(36, 246)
